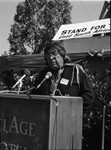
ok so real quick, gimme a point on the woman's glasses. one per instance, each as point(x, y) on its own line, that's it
point(52, 54)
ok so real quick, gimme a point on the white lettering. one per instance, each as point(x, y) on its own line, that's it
point(14, 125)
point(21, 128)
point(31, 127)
point(4, 126)
point(3, 145)
point(10, 146)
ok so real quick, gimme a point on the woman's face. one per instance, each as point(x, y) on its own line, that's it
point(54, 59)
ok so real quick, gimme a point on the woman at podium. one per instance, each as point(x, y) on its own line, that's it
point(61, 77)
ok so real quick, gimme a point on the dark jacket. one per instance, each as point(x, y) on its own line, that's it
point(73, 82)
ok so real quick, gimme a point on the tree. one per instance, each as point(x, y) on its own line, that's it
point(36, 23)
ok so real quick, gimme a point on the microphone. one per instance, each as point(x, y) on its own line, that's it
point(26, 73)
point(47, 76)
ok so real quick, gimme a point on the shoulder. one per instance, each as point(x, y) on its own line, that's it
point(80, 68)
point(70, 65)
point(77, 66)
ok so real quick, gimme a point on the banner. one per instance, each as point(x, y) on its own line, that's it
point(81, 30)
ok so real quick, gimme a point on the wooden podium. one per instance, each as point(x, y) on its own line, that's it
point(34, 122)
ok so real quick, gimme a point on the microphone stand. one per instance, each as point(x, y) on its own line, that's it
point(20, 85)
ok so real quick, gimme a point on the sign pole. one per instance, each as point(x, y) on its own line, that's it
point(103, 127)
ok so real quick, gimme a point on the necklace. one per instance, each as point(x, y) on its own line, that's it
point(54, 82)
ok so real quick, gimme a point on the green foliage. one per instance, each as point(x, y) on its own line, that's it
point(36, 23)
point(6, 80)
point(93, 117)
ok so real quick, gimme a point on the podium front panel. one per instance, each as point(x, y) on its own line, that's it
point(24, 123)
point(34, 122)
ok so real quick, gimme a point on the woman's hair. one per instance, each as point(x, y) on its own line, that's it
point(67, 59)
point(60, 48)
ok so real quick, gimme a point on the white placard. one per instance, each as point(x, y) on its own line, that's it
point(85, 29)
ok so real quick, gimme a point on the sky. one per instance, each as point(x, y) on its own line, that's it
point(82, 11)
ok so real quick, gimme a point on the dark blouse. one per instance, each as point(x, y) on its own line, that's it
point(73, 82)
